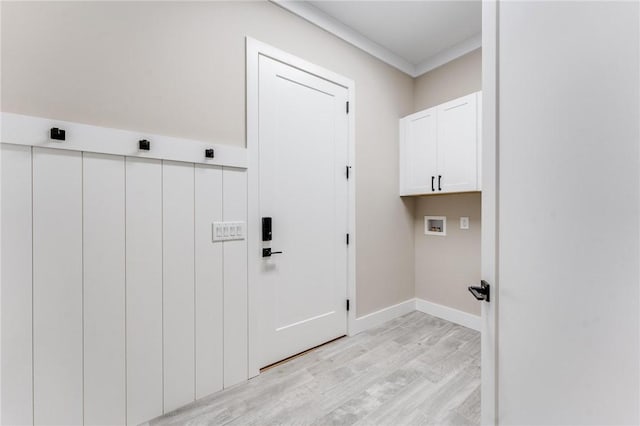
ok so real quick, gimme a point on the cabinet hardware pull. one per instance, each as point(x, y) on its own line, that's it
point(439, 187)
point(432, 187)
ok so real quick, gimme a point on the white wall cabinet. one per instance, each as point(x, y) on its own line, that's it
point(440, 148)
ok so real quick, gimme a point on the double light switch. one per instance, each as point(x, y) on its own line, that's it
point(226, 231)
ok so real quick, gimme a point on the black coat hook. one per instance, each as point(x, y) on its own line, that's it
point(208, 153)
point(57, 134)
point(144, 145)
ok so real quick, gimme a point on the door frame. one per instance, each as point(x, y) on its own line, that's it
point(490, 210)
point(254, 49)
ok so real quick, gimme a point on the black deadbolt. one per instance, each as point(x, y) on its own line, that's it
point(266, 229)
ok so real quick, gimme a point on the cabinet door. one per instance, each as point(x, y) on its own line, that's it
point(418, 152)
point(457, 145)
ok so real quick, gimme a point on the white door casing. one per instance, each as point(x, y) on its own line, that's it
point(300, 222)
point(489, 216)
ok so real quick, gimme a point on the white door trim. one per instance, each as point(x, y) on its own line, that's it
point(254, 49)
point(490, 185)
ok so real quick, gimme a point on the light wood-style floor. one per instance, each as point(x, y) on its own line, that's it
point(416, 369)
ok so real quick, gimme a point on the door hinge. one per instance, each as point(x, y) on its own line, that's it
point(348, 168)
point(347, 305)
point(347, 107)
point(347, 239)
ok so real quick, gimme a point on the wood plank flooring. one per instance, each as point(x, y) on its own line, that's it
point(414, 370)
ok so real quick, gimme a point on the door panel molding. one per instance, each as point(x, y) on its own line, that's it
point(254, 49)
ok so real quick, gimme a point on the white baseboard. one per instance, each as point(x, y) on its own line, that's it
point(449, 314)
point(377, 318)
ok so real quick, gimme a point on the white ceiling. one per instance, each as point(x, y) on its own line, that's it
point(413, 36)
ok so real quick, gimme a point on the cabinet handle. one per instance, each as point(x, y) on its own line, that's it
point(439, 187)
point(432, 187)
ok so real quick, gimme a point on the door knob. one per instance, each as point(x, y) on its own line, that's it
point(481, 293)
point(266, 252)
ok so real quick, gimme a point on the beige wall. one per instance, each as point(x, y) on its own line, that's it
point(179, 69)
point(446, 266)
point(449, 81)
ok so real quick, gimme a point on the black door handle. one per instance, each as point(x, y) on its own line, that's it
point(439, 178)
point(432, 187)
point(266, 252)
point(481, 293)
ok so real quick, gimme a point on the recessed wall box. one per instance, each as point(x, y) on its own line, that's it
point(435, 225)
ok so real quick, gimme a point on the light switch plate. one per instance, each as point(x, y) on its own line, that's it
point(228, 231)
point(464, 223)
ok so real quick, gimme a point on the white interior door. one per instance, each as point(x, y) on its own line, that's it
point(303, 134)
point(568, 249)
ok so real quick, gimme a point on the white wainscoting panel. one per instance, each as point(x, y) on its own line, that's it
point(17, 379)
point(235, 279)
point(144, 289)
point(57, 287)
point(117, 305)
point(208, 281)
point(178, 284)
point(103, 187)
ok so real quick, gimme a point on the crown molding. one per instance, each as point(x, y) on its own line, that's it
point(328, 23)
point(448, 55)
point(346, 33)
